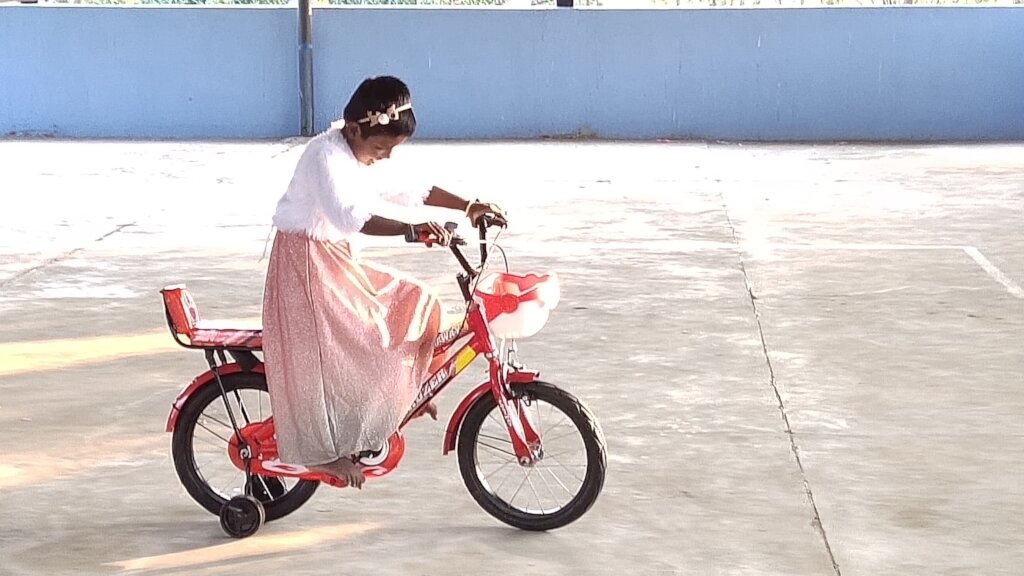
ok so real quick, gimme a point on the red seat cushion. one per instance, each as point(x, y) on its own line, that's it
point(247, 338)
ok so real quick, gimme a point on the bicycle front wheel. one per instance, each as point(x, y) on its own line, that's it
point(559, 488)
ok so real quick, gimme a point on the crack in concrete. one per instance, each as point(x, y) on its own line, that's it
point(794, 448)
point(60, 257)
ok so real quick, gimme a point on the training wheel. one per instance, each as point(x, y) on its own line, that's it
point(242, 516)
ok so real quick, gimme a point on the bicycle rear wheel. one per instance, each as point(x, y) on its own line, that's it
point(200, 448)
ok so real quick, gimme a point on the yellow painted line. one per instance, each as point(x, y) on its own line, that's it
point(32, 468)
point(40, 355)
point(258, 545)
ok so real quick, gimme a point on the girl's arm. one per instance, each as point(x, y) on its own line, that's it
point(350, 217)
point(381, 226)
point(473, 210)
point(443, 199)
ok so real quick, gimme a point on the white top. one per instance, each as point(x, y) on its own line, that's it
point(331, 195)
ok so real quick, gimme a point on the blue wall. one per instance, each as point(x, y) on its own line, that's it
point(760, 74)
point(148, 72)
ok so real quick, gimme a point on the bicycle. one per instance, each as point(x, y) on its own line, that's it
point(500, 308)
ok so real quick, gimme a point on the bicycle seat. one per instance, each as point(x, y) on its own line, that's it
point(184, 321)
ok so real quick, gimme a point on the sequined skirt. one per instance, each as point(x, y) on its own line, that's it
point(346, 344)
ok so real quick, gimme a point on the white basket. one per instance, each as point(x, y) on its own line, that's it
point(518, 306)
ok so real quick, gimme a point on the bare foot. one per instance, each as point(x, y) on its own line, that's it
point(350, 472)
point(345, 469)
point(428, 408)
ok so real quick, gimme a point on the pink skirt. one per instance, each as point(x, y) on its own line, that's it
point(346, 345)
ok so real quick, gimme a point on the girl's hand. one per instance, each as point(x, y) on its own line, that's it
point(438, 234)
point(478, 209)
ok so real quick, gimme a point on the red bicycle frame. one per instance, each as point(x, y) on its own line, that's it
point(454, 351)
point(450, 361)
point(525, 440)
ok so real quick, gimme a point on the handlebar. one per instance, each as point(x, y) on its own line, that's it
point(429, 239)
point(483, 224)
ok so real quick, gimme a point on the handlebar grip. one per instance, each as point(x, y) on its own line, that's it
point(491, 221)
point(427, 238)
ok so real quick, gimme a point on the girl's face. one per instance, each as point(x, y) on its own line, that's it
point(372, 148)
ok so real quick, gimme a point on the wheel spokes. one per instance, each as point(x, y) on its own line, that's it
point(551, 483)
point(211, 438)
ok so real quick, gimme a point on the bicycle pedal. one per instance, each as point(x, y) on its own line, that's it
point(369, 454)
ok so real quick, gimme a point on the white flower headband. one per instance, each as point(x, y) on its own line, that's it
point(385, 118)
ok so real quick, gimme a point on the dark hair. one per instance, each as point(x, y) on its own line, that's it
point(376, 95)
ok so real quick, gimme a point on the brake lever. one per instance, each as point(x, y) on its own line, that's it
point(429, 240)
point(456, 240)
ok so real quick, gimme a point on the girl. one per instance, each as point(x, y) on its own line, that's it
point(347, 343)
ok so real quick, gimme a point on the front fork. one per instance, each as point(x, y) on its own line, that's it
point(515, 408)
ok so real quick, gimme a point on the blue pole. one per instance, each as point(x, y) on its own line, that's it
point(306, 66)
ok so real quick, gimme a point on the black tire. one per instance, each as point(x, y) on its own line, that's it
point(242, 516)
point(593, 441)
point(277, 502)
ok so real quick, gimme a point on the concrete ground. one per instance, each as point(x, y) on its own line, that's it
point(807, 360)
